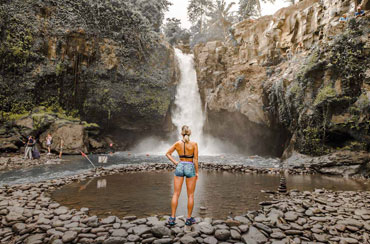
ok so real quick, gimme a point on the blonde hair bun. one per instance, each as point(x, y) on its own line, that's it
point(186, 132)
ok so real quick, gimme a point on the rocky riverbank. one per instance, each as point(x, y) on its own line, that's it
point(28, 215)
point(16, 161)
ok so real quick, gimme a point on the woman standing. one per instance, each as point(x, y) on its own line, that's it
point(49, 140)
point(187, 167)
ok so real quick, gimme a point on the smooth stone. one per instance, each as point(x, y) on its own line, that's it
point(160, 231)
point(291, 216)
point(34, 239)
point(148, 240)
point(242, 220)
point(254, 236)
point(18, 227)
point(235, 234)
point(206, 228)
point(222, 234)
point(61, 210)
point(263, 227)
point(141, 229)
point(188, 240)
point(114, 240)
point(108, 220)
point(119, 233)
point(133, 238)
point(278, 235)
point(243, 228)
point(210, 240)
point(163, 241)
point(69, 236)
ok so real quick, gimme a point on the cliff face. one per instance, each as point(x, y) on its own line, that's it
point(97, 60)
point(299, 79)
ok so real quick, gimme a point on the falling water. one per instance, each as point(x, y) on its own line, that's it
point(188, 109)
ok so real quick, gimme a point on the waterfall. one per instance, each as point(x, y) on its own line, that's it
point(188, 109)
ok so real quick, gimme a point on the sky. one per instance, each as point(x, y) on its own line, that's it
point(179, 9)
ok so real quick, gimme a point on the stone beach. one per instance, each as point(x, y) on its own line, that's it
point(17, 161)
point(28, 215)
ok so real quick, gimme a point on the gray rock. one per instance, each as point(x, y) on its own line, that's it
point(139, 221)
point(188, 240)
point(141, 229)
point(254, 236)
point(243, 228)
point(263, 227)
point(133, 238)
point(235, 234)
point(210, 240)
point(278, 235)
point(148, 240)
point(57, 241)
point(222, 234)
point(61, 210)
point(115, 240)
point(109, 220)
point(163, 241)
point(242, 220)
point(206, 228)
point(35, 239)
point(119, 233)
point(69, 236)
point(291, 216)
point(160, 231)
point(19, 227)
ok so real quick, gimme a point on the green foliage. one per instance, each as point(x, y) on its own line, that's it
point(251, 8)
point(197, 11)
point(15, 50)
point(309, 66)
point(324, 95)
point(174, 33)
point(311, 142)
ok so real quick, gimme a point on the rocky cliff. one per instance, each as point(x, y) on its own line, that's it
point(98, 60)
point(297, 82)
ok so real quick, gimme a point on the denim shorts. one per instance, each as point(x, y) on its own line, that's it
point(186, 169)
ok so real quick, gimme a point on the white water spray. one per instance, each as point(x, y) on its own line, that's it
point(187, 111)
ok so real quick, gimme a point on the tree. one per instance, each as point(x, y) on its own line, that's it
point(251, 8)
point(197, 11)
point(174, 33)
point(153, 10)
point(220, 16)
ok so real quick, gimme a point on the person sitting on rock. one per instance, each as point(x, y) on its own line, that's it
point(343, 19)
point(359, 12)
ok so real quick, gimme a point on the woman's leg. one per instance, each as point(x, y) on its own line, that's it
point(190, 186)
point(176, 193)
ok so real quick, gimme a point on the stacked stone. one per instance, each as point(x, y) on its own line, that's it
point(282, 187)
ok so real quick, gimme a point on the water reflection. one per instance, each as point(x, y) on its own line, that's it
point(101, 183)
point(218, 194)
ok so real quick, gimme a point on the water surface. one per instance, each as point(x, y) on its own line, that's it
point(149, 193)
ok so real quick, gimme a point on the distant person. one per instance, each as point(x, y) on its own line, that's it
point(49, 141)
point(29, 146)
point(61, 147)
point(360, 12)
point(110, 148)
point(343, 19)
point(187, 167)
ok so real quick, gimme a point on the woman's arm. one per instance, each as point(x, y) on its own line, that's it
point(196, 159)
point(169, 154)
